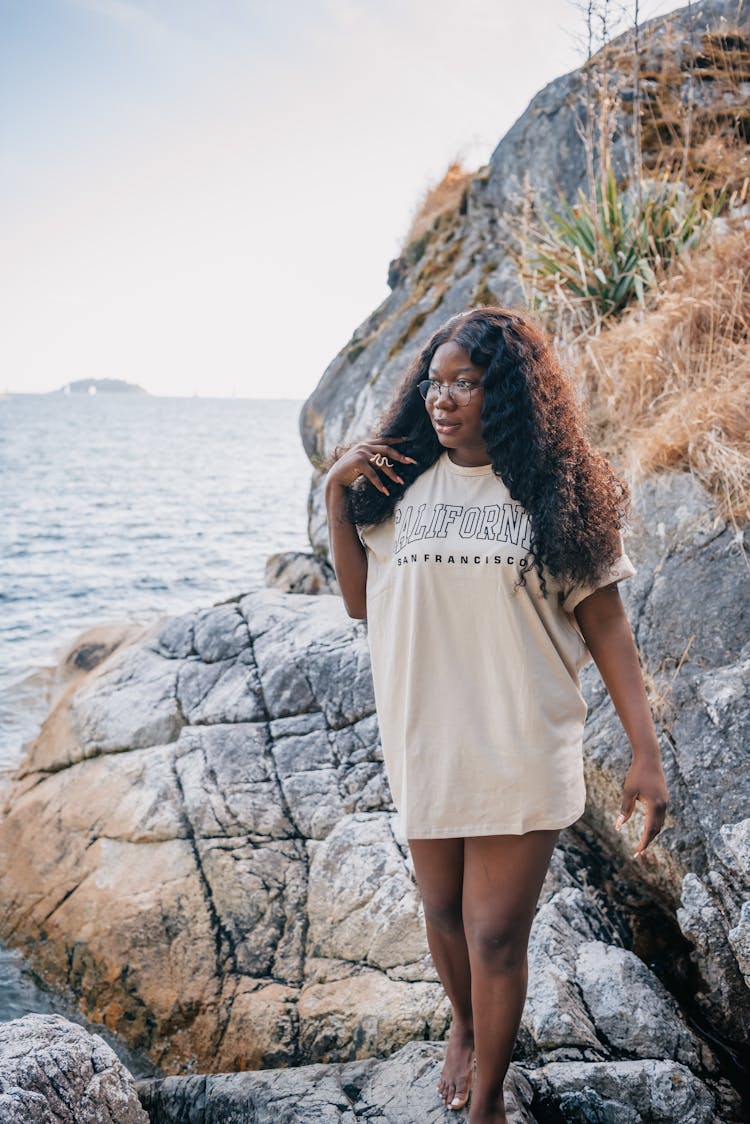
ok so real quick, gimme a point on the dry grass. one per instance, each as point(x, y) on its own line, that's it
point(695, 120)
point(442, 198)
point(670, 386)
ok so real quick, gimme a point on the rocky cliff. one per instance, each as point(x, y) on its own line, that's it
point(467, 256)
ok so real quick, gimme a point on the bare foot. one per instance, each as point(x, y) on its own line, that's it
point(455, 1080)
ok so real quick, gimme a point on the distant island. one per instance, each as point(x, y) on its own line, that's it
point(100, 386)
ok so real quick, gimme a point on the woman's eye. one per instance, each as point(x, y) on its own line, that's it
point(464, 384)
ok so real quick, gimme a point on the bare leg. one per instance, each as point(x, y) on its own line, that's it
point(438, 864)
point(503, 876)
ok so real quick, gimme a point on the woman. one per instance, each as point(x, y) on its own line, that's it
point(478, 532)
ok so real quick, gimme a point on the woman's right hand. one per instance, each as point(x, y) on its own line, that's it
point(369, 459)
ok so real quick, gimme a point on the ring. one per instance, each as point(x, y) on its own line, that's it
point(387, 463)
point(378, 459)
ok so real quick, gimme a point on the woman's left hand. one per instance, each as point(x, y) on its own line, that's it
point(644, 781)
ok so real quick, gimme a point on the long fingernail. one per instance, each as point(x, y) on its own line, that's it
point(399, 480)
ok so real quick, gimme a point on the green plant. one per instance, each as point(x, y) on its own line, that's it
point(591, 259)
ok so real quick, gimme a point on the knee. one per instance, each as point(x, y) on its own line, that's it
point(499, 946)
point(443, 914)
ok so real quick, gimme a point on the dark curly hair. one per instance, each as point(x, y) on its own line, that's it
point(535, 437)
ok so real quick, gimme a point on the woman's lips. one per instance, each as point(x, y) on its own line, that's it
point(445, 426)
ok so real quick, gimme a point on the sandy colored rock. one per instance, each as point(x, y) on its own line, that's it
point(367, 1013)
point(297, 572)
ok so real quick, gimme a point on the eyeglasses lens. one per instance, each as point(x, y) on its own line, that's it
point(431, 391)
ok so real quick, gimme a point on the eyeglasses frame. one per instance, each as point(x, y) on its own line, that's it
point(450, 387)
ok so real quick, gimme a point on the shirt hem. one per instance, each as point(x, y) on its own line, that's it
point(492, 829)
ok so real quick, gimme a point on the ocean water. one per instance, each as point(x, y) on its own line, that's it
point(118, 507)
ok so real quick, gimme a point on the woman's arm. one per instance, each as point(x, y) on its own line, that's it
point(347, 553)
point(606, 630)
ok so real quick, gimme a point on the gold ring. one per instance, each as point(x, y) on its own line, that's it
point(374, 458)
point(387, 463)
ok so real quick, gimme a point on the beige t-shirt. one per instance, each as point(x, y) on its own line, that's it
point(476, 684)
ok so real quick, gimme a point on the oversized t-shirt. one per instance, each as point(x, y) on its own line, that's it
point(476, 682)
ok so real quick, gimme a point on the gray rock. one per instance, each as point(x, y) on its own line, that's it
point(739, 939)
point(591, 999)
point(400, 1089)
point(103, 710)
point(699, 659)
point(54, 1072)
point(623, 1092)
point(631, 1010)
point(704, 924)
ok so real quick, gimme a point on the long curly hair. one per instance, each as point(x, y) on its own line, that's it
point(535, 436)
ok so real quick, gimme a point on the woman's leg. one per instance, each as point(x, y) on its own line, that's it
point(503, 876)
point(438, 864)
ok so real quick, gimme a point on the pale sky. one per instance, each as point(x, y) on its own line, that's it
point(202, 196)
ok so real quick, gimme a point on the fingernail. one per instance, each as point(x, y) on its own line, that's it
point(399, 480)
point(410, 460)
point(618, 823)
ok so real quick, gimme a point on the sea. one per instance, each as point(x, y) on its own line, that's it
point(124, 508)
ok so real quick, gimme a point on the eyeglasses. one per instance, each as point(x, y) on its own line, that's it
point(459, 392)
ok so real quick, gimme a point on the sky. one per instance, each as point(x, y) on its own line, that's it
point(202, 196)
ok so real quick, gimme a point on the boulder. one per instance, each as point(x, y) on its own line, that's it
point(400, 1089)
point(294, 571)
point(159, 837)
point(52, 1071)
point(625, 1092)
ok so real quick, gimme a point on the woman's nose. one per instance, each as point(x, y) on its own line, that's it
point(449, 398)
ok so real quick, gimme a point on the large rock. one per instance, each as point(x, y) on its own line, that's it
point(469, 255)
point(626, 1092)
point(398, 1090)
point(690, 609)
point(401, 1090)
point(162, 829)
point(294, 571)
point(54, 1072)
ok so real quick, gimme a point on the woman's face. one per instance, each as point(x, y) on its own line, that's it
point(459, 428)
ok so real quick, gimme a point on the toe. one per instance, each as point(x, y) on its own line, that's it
point(460, 1094)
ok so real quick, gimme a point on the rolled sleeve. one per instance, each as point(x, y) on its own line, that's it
point(621, 568)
